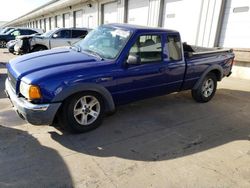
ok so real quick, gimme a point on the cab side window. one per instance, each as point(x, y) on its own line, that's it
point(30, 32)
point(27, 32)
point(16, 33)
point(63, 34)
point(148, 48)
point(79, 33)
point(174, 48)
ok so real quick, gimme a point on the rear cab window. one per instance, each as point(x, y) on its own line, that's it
point(174, 47)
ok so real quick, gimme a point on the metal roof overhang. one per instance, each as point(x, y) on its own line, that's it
point(48, 8)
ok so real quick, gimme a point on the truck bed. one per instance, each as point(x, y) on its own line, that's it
point(191, 50)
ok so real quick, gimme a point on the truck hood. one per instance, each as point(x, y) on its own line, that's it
point(48, 60)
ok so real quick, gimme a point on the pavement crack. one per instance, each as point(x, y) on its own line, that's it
point(103, 171)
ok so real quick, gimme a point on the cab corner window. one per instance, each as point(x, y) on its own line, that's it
point(147, 48)
point(174, 48)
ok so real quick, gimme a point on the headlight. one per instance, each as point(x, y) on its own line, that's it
point(30, 92)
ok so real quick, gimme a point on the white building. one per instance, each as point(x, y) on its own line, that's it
point(208, 23)
point(202, 22)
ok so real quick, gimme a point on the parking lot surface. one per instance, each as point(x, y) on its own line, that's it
point(169, 141)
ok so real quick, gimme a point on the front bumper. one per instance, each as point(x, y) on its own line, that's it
point(36, 114)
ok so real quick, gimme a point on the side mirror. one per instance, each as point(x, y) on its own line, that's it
point(133, 60)
point(55, 35)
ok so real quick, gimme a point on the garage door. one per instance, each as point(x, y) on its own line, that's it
point(78, 18)
point(47, 24)
point(183, 15)
point(110, 13)
point(59, 22)
point(90, 16)
point(52, 19)
point(43, 25)
point(66, 20)
point(236, 25)
point(138, 12)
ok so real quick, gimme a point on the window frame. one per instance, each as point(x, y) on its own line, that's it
point(162, 48)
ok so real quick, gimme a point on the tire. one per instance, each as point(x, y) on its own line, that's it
point(39, 48)
point(3, 44)
point(77, 115)
point(206, 90)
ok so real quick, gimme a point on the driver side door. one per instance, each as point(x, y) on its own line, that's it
point(61, 38)
point(146, 76)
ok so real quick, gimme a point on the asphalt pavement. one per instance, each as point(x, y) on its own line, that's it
point(169, 141)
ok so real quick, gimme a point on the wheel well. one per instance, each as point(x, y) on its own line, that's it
point(217, 73)
point(55, 121)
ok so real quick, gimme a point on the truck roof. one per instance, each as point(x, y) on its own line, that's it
point(140, 28)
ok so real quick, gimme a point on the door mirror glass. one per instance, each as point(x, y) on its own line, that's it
point(133, 60)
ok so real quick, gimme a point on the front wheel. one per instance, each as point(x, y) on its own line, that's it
point(206, 89)
point(82, 112)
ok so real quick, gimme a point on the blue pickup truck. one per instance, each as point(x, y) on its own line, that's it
point(115, 64)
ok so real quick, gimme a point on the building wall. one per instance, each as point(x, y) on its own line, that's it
point(200, 22)
point(236, 25)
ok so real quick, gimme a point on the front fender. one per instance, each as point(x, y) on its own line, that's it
point(71, 90)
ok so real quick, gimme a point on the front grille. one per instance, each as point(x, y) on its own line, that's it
point(12, 80)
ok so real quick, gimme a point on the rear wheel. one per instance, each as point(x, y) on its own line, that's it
point(82, 112)
point(3, 44)
point(206, 89)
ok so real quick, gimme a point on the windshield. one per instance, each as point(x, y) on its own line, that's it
point(48, 33)
point(105, 42)
point(9, 32)
point(5, 30)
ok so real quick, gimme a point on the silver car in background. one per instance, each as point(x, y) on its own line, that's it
point(54, 38)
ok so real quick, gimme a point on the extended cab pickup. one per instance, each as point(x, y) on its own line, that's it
point(115, 64)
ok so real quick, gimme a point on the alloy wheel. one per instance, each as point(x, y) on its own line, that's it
point(87, 110)
point(208, 88)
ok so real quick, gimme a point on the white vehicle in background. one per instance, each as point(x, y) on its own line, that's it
point(12, 33)
point(54, 38)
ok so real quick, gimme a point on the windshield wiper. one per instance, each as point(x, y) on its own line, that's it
point(94, 53)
